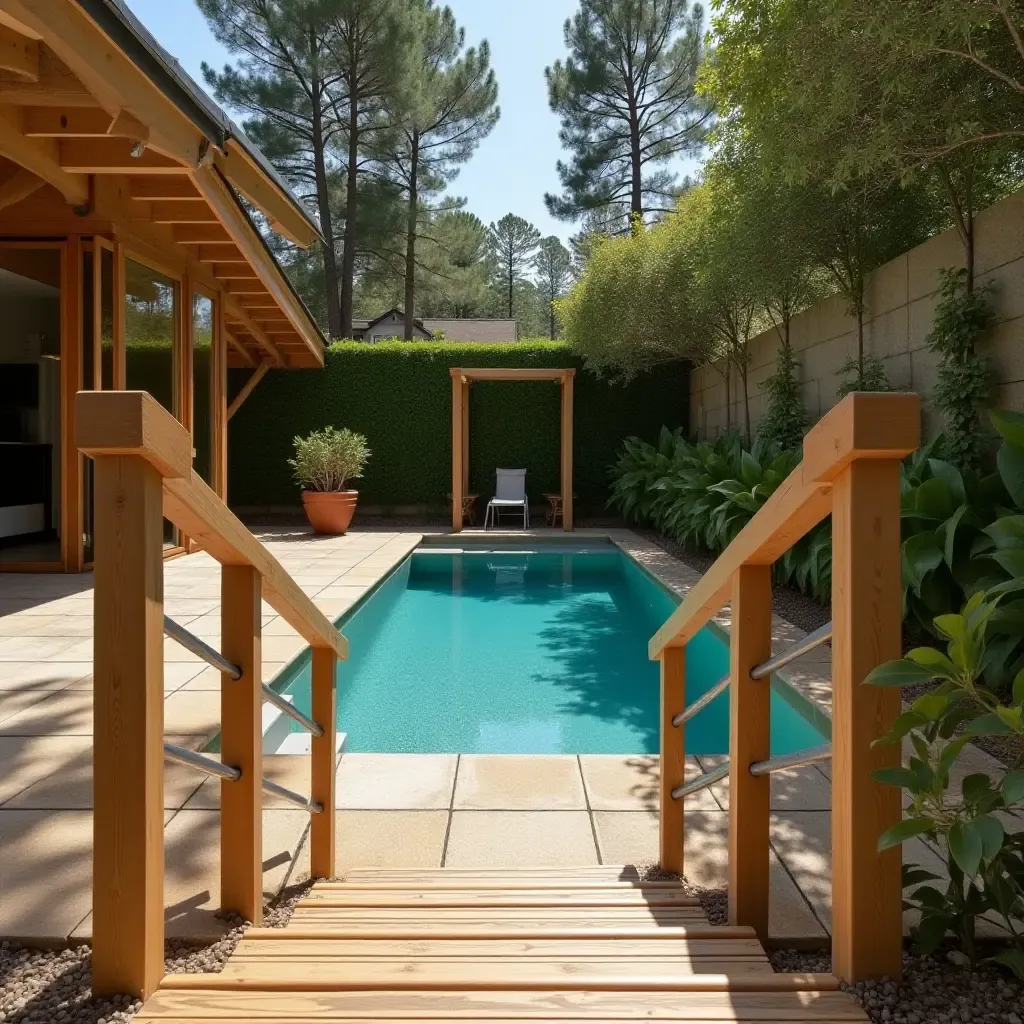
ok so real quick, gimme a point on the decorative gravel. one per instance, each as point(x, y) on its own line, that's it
point(53, 986)
point(934, 990)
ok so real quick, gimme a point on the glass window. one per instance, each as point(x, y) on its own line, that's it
point(202, 391)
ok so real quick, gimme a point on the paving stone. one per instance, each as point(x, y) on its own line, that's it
point(505, 782)
point(396, 781)
point(520, 839)
point(389, 839)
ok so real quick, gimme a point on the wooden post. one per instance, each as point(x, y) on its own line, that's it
point(465, 437)
point(128, 702)
point(673, 700)
point(71, 467)
point(241, 744)
point(567, 414)
point(323, 762)
point(867, 935)
point(120, 355)
point(457, 396)
point(219, 402)
point(749, 701)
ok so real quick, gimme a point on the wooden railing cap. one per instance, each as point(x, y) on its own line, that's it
point(864, 425)
point(132, 423)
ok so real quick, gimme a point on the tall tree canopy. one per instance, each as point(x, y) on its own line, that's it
point(553, 264)
point(627, 102)
point(513, 242)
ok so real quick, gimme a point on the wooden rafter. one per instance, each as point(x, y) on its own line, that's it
point(163, 187)
point(19, 55)
point(182, 212)
point(219, 252)
point(235, 312)
point(55, 86)
point(81, 123)
point(193, 234)
point(234, 272)
point(247, 388)
point(114, 156)
point(41, 157)
point(239, 348)
point(20, 185)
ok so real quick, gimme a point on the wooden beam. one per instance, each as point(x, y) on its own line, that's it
point(750, 643)
point(55, 86)
point(164, 187)
point(247, 388)
point(218, 195)
point(219, 252)
point(672, 769)
point(114, 156)
point(72, 466)
point(183, 212)
point(19, 55)
point(252, 182)
point(80, 123)
point(9, 21)
point(192, 234)
point(20, 185)
point(457, 449)
point(239, 347)
point(128, 688)
point(511, 373)
point(41, 158)
point(566, 460)
point(323, 763)
point(248, 288)
point(239, 271)
point(235, 312)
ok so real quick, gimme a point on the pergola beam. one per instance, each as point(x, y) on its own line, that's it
point(114, 156)
point(41, 157)
point(235, 312)
point(239, 348)
point(247, 388)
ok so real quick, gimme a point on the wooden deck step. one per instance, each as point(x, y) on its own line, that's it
point(494, 946)
point(440, 876)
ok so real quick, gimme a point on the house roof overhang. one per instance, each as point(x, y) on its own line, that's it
point(86, 92)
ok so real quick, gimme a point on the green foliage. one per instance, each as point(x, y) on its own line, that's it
point(398, 394)
point(626, 100)
point(964, 385)
point(325, 459)
point(869, 376)
point(961, 537)
point(985, 864)
point(702, 494)
point(553, 264)
point(513, 243)
point(785, 420)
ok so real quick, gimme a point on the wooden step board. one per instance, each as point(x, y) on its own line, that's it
point(596, 945)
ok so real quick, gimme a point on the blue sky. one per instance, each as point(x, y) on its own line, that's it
point(515, 165)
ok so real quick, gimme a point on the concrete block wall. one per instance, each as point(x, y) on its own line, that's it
point(900, 308)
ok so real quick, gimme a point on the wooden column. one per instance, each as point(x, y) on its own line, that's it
point(71, 465)
point(128, 701)
point(673, 700)
point(749, 701)
point(567, 414)
point(866, 616)
point(465, 437)
point(241, 744)
point(323, 762)
point(219, 402)
point(120, 345)
point(457, 451)
point(96, 284)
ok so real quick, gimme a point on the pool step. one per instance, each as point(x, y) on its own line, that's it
point(597, 945)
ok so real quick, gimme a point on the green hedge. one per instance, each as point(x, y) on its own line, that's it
point(399, 395)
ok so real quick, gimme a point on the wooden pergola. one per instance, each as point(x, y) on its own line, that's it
point(461, 380)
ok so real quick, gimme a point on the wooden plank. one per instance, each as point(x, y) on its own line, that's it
point(182, 212)
point(235, 312)
point(566, 459)
point(164, 187)
point(323, 761)
point(734, 1005)
point(247, 388)
point(498, 898)
point(612, 872)
point(120, 318)
point(866, 616)
point(241, 702)
point(18, 186)
point(41, 158)
point(114, 156)
point(749, 741)
point(72, 467)
point(128, 863)
point(487, 882)
point(689, 932)
point(19, 55)
point(457, 452)
point(511, 373)
point(82, 123)
point(672, 760)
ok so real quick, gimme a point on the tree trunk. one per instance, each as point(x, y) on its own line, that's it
point(728, 395)
point(511, 283)
point(636, 201)
point(551, 311)
point(323, 203)
point(969, 231)
point(410, 237)
point(348, 257)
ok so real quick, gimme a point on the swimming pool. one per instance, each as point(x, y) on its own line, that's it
point(527, 652)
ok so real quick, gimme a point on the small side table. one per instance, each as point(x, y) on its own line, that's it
point(468, 508)
point(553, 516)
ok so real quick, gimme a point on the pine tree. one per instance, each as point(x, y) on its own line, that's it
point(553, 264)
point(785, 419)
point(627, 101)
point(452, 107)
point(513, 242)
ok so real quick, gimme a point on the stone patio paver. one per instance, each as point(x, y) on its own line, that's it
point(390, 839)
point(520, 839)
point(394, 782)
point(509, 782)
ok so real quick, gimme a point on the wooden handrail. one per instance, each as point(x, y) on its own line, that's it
point(865, 425)
point(851, 469)
point(143, 473)
point(134, 423)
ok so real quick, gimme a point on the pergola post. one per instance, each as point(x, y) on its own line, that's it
point(567, 396)
point(458, 450)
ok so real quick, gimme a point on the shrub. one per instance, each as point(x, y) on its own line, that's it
point(325, 459)
point(873, 378)
point(985, 865)
point(785, 419)
point(400, 395)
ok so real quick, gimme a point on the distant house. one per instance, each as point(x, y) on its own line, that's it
point(392, 325)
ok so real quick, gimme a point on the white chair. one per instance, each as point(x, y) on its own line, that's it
point(510, 492)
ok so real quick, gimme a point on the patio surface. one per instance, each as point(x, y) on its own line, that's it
point(396, 810)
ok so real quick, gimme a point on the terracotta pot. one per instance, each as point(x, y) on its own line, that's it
point(329, 511)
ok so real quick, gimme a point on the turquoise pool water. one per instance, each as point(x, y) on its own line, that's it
point(529, 653)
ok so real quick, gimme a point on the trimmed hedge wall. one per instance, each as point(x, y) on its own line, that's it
point(399, 395)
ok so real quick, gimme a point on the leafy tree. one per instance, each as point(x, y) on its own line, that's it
point(785, 419)
point(553, 264)
point(627, 102)
point(513, 242)
point(452, 106)
point(288, 86)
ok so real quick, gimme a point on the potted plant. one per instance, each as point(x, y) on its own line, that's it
point(324, 461)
